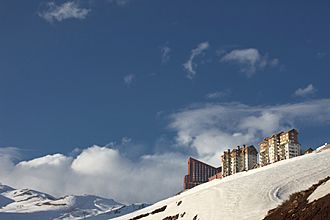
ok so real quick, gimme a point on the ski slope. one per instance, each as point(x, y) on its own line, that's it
point(246, 195)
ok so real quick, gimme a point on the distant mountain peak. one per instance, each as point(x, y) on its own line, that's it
point(30, 204)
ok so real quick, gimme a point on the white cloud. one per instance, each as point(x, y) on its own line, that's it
point(165, 54)
point(100, 171)
point(49, 160)
point(128, 79)
point(190, 66)
point(8, 155)
point(120, 2)
point(303, 92)
point(67, 10)
point(210, 129)
point(250, 60)
point(105, 157)
point(126, 140)
point(11, 153)
point(218, 94)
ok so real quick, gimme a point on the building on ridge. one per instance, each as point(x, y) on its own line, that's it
point(308, 151)
point(238, 160)
point(279, 146)
point(198, 173)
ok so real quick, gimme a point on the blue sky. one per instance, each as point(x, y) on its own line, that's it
point(154, 77)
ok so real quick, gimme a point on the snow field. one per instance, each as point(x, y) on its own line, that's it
point(246, 195)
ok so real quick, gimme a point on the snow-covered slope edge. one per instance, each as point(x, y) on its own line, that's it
point(313, 203)
point(320, 192)
point(246, 195)
point(30, 204)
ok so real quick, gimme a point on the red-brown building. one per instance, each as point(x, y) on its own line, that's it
point(216, 176)
point(198, 173)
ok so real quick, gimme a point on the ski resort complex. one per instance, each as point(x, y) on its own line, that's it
point(279, 146)
point(253, 194)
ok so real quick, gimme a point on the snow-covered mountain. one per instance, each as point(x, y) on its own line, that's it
point(246, 195)
point(30, 204)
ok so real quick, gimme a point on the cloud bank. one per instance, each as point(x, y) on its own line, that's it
point(203, 131)
point(100, 171)
point(250, 60)
point(210, 129)
point(67, 10)
point(190, 66)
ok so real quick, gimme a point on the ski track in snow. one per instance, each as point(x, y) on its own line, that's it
point(246, 195)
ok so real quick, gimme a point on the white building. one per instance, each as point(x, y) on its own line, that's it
point(238, 160)
point(279, 146)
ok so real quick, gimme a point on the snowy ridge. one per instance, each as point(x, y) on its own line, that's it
point(323, 147)
point(30, 204)
point(246, 195)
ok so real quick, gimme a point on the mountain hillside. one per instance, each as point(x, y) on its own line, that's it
point(246, 195)
point(29, 204)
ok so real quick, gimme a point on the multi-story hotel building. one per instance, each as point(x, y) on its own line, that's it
point(198, 173)
point(238, 160)
point(279, 146)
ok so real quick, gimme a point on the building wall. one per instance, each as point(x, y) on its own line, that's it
point(198, 173)
point(238, 160)
point(216, 176)
point(226, 163)
point(264, 152)
point(251, 158)
point(279, 146)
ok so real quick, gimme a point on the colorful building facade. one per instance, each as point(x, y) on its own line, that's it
point(198, 173)
point(239, 159)
point(279, 146)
